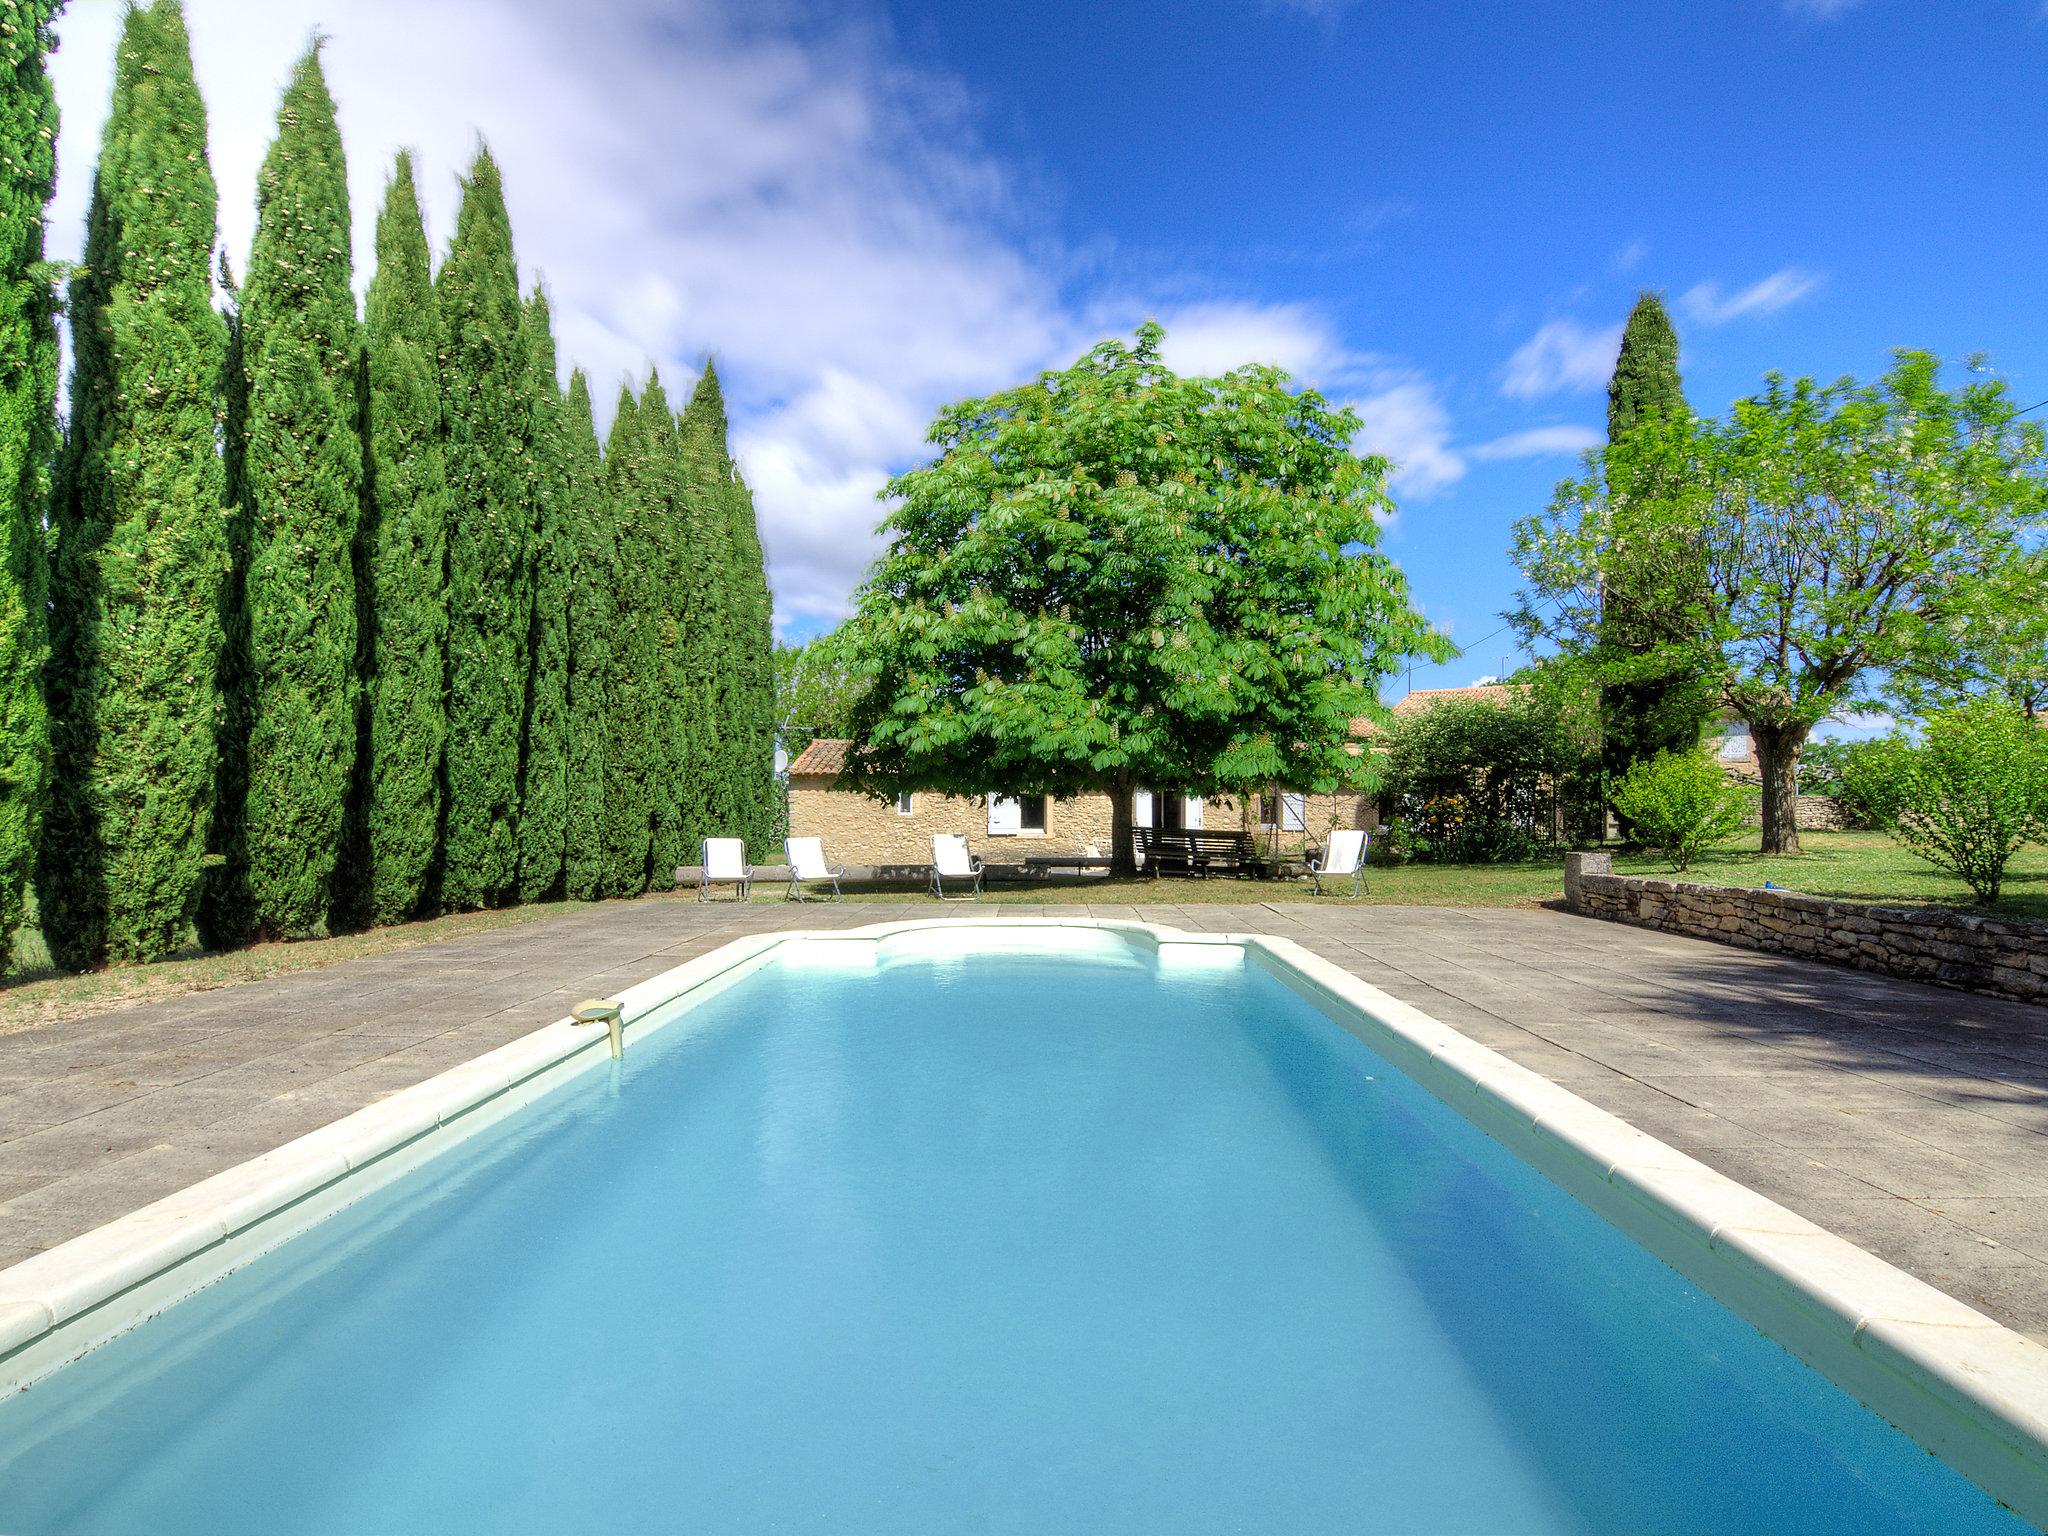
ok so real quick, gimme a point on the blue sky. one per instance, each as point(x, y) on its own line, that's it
point(1440, 212)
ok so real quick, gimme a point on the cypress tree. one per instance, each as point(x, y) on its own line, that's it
point(594, 539)
point(405, 547)
point(141, 534)
point(486, 421)
point(1642, 715)
point(1646, 382)
point(685, 555)
point(637, 489)
point(28, 438)
point(543, 780)
point(224, 907)
point(751, 762)
point(303, 472)
point(739, 656)
point(699, 584)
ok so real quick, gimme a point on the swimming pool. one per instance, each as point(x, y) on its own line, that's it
point(1005, 1228)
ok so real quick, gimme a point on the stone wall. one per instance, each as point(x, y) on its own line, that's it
point(1967, 950)
point(860, 830)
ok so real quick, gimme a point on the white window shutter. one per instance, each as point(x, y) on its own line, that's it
point(1193, 820)
point(1141, 808)
point(1005, 816)
point(1293, 812)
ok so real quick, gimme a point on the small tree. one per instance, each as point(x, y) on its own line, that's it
point(1114, 576)
point(1681, 803)
point(1968, 795)
point(1804, 540)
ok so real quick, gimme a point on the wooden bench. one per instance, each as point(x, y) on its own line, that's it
point(1198, 853)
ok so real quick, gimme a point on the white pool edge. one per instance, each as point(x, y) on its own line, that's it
point(1959, 1383)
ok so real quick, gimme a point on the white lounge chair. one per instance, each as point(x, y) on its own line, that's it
point(1344, 856)
point(952, 861)
point(807, 862)
point(725, 862)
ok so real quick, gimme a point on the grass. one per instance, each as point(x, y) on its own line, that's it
point(1849, 866)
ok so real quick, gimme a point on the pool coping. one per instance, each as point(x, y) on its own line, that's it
point(1959, 1383)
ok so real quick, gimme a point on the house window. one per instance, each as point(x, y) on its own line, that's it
point(1016, 816)
point(905, 803)
point(1284, 809)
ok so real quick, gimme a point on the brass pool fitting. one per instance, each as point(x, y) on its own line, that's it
point(605, 1011)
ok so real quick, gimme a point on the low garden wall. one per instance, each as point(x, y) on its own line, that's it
point(1954, 949)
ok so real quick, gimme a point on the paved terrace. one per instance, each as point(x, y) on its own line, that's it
point(1911, 1120)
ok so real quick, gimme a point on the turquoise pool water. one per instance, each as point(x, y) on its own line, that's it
point(1001, 1244)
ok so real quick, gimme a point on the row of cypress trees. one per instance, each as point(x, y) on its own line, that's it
point(347, 619)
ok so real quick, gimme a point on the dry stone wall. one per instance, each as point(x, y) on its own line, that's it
point(1966, 950)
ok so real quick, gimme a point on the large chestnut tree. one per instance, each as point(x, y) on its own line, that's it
point(1115, 576)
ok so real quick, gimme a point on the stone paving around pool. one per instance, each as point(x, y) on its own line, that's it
point(1911, 1120)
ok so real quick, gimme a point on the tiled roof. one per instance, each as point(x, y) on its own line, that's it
point(1421, 699)
point(823, 758)
point(1429, 698)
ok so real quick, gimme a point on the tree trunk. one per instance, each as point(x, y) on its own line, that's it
point(1123, 863)
point(1777, 757)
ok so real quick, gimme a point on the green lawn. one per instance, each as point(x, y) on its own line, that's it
point(1855, 866)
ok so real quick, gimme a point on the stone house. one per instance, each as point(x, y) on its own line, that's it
point(1005, 830)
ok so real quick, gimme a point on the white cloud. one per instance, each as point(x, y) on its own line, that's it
point(1629, 256)
point(1403, 417)
point(1563, 355)
point(1706, 304)
point(1538, 442)
point(1820, 10)
point(689, 179)
point(1216, 337)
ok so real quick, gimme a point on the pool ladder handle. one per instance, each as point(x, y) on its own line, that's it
point(605, 1011)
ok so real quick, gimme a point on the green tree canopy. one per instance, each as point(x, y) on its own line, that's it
point(816, 689)
point(302, 474)
point(1988, 640)
point(1116, 576)
point(141, 537)
point(405, 546)
point(28, 437)
point(1825, 522)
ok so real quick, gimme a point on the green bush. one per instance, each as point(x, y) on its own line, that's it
point(1680, 803)
point(1967, 795)
point(1484, 781)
